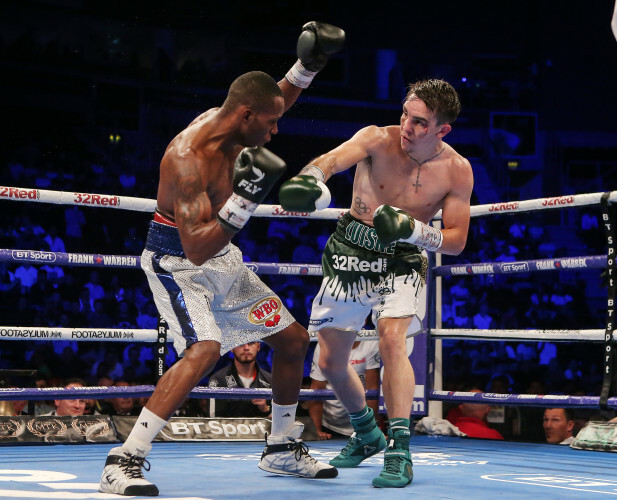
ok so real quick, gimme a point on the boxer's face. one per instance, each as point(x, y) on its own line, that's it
point(260, 126)
point(416, 123)
point(419, 125)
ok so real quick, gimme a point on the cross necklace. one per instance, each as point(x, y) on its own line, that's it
point(420, 163)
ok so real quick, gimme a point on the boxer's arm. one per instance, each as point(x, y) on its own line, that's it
point(456, 208)
point(201, 235)
point(316, 43)
point(307, 192)
point(349, 153)
point(290, 93)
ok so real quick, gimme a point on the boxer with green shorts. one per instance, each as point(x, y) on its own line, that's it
point(373, 262)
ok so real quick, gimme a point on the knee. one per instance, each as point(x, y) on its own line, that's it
point(202, 356)
point(294, 342)
point(330, 366)
point(391, 345)
point(326, 366)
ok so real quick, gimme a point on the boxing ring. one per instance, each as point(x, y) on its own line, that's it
point(445, 467)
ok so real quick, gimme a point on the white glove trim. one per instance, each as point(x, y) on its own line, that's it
point(425, 236)
point(299, 76)
point(314, 171)
point(237, 211)
point(324, 199)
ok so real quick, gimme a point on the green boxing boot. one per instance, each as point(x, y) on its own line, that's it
point(397, 467)
point(366, 441)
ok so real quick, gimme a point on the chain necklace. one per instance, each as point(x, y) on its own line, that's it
point(420, 163)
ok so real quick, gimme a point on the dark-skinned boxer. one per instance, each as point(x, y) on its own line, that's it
point(212, 177)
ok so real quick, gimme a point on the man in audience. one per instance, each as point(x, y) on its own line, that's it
point(123, 405)
point(558, 424)
point(242, 372)
point(470, 418)
point(70, 407)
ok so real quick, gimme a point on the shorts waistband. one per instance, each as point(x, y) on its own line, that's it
point(162, 218)
point(356, 233)
point(163, 238)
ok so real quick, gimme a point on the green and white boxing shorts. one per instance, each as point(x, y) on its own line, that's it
point(363, 275)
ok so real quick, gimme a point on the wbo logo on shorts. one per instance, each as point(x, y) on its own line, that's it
point(266, 312)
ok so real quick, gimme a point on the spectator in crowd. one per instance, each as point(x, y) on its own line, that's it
point(149, 317)
point(27, 275)
point(558, 424)
point(100, 406)
point(242, 372)
point(70, 407)
point(126, 316)
point(96, 290)
point(470, 418)
point(123, 406)
point(74, 219)
point(98, 317)
point(134, 362)
point(109, 366)
point(56, 244)
point(330, 417)
point(483, 320)
point(42, 407)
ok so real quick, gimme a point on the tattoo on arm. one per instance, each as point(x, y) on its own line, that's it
point(360, 207)
point(191, 199)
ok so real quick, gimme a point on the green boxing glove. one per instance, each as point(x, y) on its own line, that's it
point(393, 224)
point(304, 193)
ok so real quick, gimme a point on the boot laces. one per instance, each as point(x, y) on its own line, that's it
point(300, 450)
point(392, 463)
point(350, 444)
point(131, 465)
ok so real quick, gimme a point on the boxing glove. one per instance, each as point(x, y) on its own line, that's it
point(255, 172)
point(315, 44)
point(304, 193)
point(393, 224)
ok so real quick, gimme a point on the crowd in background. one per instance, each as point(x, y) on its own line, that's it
point(54, 296)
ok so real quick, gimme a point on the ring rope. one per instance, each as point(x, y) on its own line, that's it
point(140, 391)
point(102, 392)
point(593, 335)
point(111, 334)
point(544, 400)
point(134, 262)
point(148, 205)
point(523, 266)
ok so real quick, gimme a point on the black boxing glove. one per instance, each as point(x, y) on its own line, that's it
point(316, 43)
point(255, 172)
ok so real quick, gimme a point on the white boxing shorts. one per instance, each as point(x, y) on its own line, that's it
point(221, 300)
